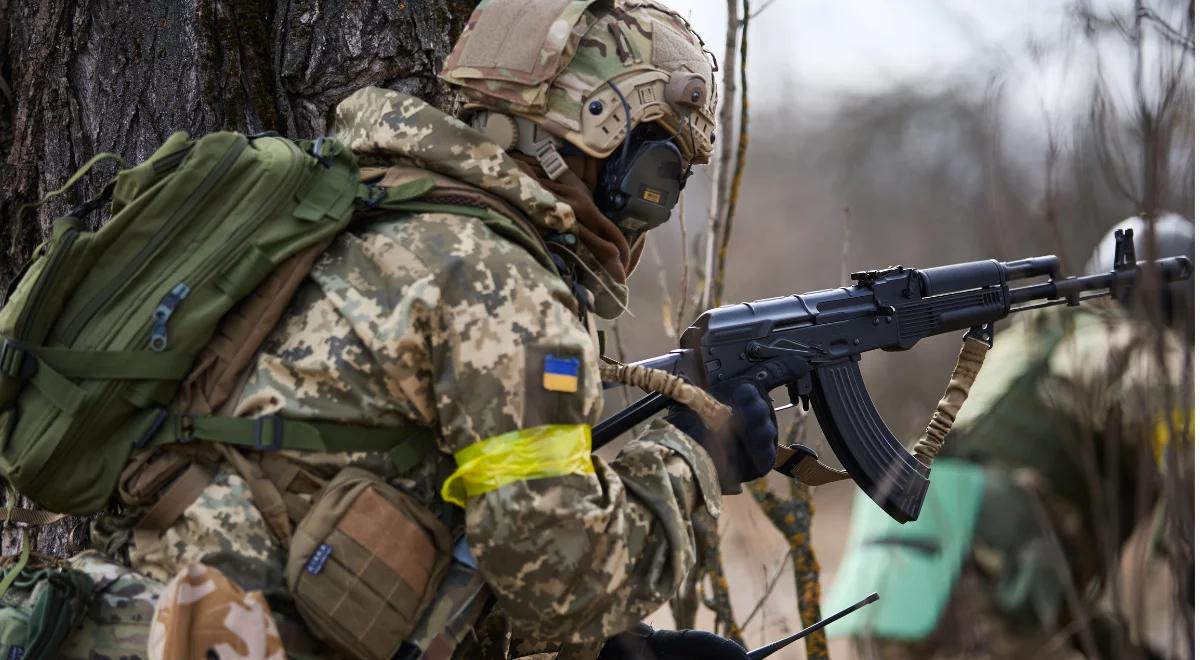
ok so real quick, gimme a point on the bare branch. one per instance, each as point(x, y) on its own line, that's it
point(1169, 33)
point(721, 168)
point(739, 167)
point(783, 563)
point(756, 12)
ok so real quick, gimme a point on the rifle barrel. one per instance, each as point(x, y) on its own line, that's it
point(1171, 269)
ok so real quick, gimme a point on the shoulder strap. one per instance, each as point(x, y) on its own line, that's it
point(408, 188)
point(272, 432)
point(241, 333)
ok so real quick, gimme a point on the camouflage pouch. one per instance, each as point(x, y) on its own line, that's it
point(39, 610)
point(364, 564)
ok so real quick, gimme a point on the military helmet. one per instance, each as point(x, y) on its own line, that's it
point(586, 72)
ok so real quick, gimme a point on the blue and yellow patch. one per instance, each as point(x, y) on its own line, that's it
point(561, 374)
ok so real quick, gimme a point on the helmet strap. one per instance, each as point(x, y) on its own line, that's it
point(523, 135)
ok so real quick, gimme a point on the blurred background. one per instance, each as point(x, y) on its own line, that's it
point(918, 133)
point(879, 133)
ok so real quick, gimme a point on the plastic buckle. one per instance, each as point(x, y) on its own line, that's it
point(276, 433)
point(16, 361)
point(319, 154)
point(378, 194)
point(187, 429)
point(551, 161)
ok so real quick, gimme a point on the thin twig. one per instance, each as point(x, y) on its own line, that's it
point(720, 175)
point(1169, 33)
point(620, 346)
point(792, 516)
point(739, 167)
point(847, 236)
point(684, 279)
point(761, 9)
point(668, 307)
point(709, 564)
point(770, 587)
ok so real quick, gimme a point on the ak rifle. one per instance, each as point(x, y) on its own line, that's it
point(811, 344)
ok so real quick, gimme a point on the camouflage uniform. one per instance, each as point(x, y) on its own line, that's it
point(432, 319)
point(441, 319)
point(1070, 407)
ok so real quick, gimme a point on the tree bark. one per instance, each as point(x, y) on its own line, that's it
point(79, 77)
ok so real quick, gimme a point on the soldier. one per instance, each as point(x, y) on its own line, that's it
point(464, 320)
point(1043, 479)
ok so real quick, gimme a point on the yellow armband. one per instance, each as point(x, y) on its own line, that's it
point(534, 453)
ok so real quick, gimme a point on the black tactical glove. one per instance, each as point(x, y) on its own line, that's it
point(745, 449)
point(645, 643)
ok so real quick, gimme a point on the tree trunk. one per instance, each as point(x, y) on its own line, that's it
point(80, 77)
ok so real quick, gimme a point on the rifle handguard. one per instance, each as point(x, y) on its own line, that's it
point(970, 361)
point(713, 413)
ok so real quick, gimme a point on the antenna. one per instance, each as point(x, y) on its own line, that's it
point(764, 651)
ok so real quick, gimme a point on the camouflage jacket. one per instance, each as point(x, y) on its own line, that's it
point(431, 318)
point(1075, 406)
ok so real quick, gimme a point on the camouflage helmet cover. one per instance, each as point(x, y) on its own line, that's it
point(557, 62)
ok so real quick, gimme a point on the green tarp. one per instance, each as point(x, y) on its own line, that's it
point(912, 566)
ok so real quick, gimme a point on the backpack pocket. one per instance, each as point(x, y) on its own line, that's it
point(364, 563)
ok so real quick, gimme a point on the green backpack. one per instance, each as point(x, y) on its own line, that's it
point(103, 327)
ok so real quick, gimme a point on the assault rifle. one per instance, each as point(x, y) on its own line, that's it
point(811, 343)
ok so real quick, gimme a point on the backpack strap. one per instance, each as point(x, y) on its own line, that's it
point(272, 432)
point(218, 366)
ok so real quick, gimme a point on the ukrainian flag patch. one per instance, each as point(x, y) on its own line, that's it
point(561, 374)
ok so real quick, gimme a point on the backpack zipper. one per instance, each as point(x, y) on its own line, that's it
point(288, 186)
point(171, 301)
point(35, 297)
point(291, 179)
point(166, 231)
point(162, 314)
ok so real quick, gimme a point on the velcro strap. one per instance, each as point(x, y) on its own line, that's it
point(801, 463)
point(62, 393)
point(35, 517)
point(330, 193)
point(273, 432)
point(177, 497)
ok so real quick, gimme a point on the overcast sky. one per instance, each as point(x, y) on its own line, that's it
point(808, 53)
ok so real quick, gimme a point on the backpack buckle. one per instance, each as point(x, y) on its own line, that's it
point(276, 433)
point(187, 429)
point(323, 156)
point(17, 361)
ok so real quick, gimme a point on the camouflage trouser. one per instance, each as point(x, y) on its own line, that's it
point(222, 529)
point(972, 628)
point(117, 619)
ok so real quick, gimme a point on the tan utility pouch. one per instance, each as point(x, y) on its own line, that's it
point(364, 563)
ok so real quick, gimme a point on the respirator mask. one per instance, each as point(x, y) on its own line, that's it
point(638, 187)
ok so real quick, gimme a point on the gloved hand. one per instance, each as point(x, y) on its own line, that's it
point(745, 449)
point(645, 643)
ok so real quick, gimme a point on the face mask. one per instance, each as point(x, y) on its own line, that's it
point(638, 190)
